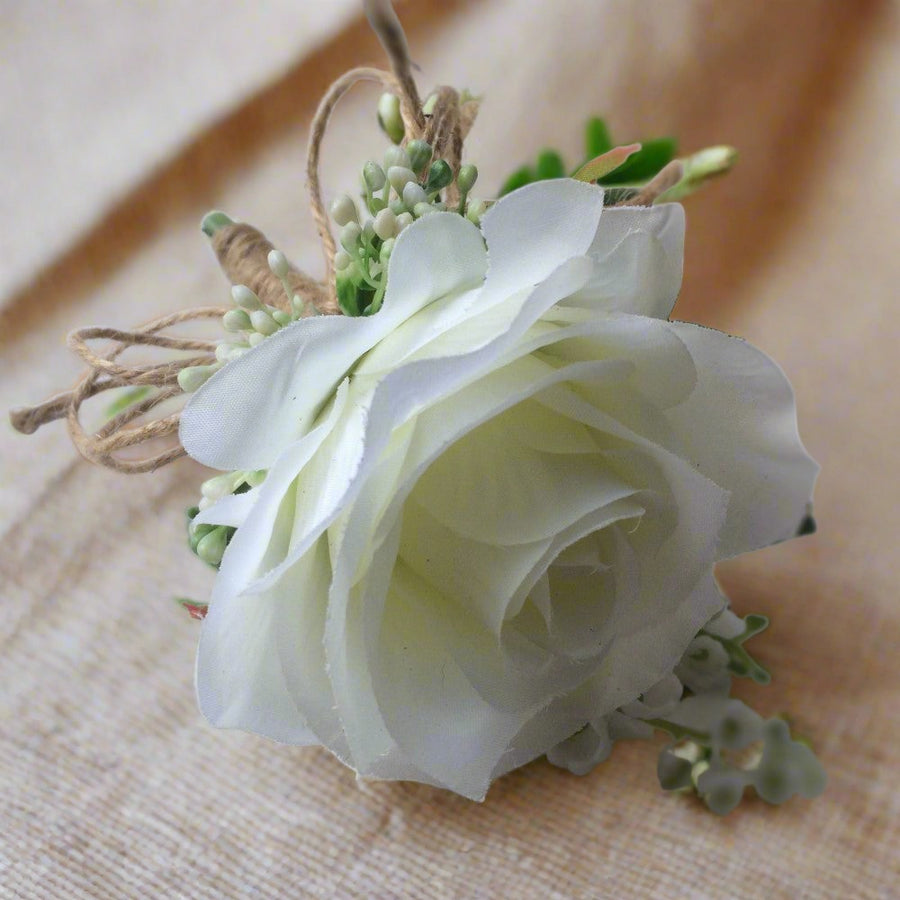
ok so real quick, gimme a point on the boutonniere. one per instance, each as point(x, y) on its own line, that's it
point(472, 486)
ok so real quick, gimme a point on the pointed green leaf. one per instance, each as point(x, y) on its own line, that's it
point(127, 398)
point(550, 165)
point(597, 140)
point(642, 166)
point(602, 165)
point(519, 178)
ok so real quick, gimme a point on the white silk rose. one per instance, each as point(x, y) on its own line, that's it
point(492, 509)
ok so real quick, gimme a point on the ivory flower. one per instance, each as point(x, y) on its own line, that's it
point(493, 508)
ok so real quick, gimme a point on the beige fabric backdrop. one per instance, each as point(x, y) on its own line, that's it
point(111, 785)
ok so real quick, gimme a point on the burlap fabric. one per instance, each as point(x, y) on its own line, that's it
point(112, 785)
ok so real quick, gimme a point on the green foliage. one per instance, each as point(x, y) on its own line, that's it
point(638, 169)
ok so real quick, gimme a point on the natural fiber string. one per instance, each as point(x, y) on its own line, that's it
point(242, 252)
point(106, 373)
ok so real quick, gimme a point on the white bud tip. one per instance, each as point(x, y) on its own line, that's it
point(278, 263)
point(244, 297)
point(403, 220)
point(350, 235)
point(343, 210)
point(399, 177)
point(236, 320)
point(413, 195)
point(342, 259)
point(385, 224)
point(396, 156)
point(194, 377)
point(262, 322)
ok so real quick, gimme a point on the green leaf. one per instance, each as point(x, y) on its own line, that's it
point(550, 165)
point(643, 165)
point(352, 298)
point(596, 169)
point(127, 398)
point(519, 178)
point(597, 140)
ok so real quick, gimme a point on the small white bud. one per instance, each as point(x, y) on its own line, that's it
point(413, 194)
point(298, 305)
point(386, 249)
point(389, 117)
point(262, 322)
point(193, 377)
point(475, 210)
point(281, 317)
point(399, 177)
point(403, 220)
point(373, 175)
point(385, 224)
point(342, 259)
point(244, 297)
point(350, 235)
point(236, 320)
point(278, 263)
point(396, 156)
point(466, 178)
point(211, 547)
point(343, 210)
point(255, 339)
point(423, 209)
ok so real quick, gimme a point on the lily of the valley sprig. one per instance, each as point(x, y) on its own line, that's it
point(470, 488)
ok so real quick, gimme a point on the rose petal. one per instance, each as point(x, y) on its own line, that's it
point(739, 427)
point(250, 411)
point(638, 254)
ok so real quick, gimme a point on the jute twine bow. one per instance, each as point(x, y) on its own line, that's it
point(242, 252)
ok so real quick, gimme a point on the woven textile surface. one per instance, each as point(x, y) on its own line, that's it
point(112, 785)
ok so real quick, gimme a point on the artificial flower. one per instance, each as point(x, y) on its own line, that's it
point(493, 508)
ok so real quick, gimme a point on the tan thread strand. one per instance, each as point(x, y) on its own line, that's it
point(242, 251)
point(317, 133)
point(386, 25)
point(667, 177)
point(243, 255)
